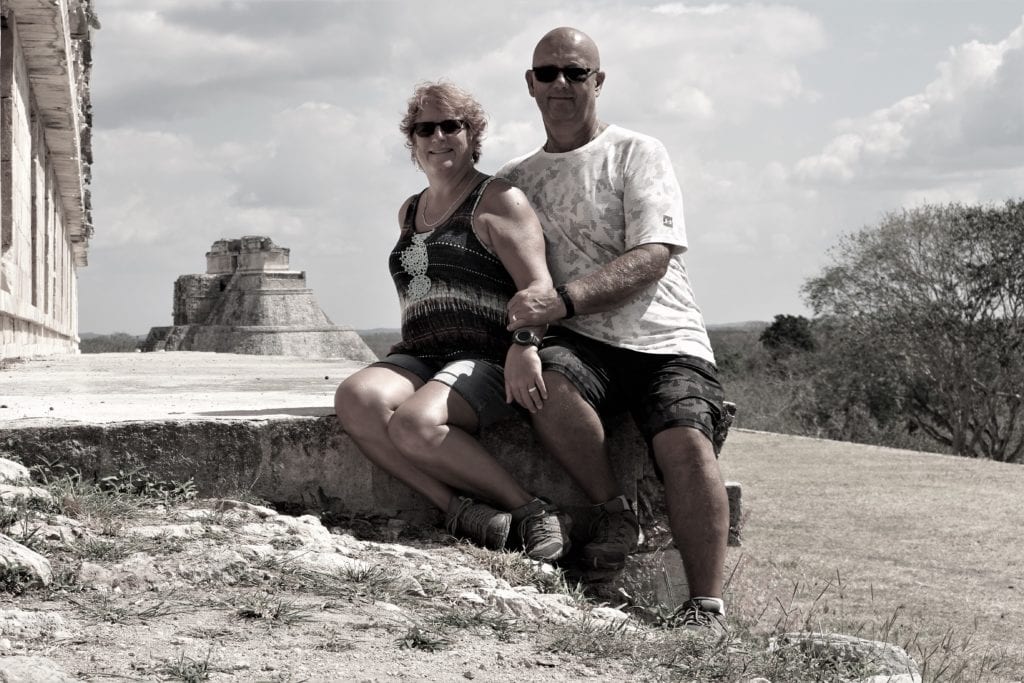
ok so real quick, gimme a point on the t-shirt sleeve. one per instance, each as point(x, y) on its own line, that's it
point(652, 200)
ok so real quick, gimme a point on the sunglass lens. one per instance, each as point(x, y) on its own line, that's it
point(450, 126)
point(576, 74)
point(545, 74)
point(424, 129)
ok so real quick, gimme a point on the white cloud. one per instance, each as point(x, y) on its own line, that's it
point(971, 116)
point(279, 117)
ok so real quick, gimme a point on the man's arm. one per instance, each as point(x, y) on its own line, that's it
point(602, 290)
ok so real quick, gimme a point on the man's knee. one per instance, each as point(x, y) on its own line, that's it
point(682, 449)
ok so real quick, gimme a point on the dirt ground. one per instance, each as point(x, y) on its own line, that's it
point(219, 590)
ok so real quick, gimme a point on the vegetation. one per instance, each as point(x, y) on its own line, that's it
point(118, 342)
point(772, 594)
point(918, 340)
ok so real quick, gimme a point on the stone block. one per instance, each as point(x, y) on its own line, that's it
point(307, 463)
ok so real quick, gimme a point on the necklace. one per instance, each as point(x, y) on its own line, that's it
point(458, 196)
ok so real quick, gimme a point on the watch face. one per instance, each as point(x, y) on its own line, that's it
point(525, 337)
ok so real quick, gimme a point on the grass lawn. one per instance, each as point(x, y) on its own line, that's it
point(928, 549)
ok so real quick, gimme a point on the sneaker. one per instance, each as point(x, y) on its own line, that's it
point(704, 616)
point(542, 530)
point(480, 523)
point(614, 534)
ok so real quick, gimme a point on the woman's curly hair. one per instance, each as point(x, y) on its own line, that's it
point(456, 103)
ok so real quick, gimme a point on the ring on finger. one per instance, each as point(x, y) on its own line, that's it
point(531, 390)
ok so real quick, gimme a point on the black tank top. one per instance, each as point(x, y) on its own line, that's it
point(453, 290)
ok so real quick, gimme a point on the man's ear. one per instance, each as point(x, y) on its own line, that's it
point(529, 82)
point(598, 82)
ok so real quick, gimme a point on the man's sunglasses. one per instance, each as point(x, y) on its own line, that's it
point(426, 128)
point(574, 74)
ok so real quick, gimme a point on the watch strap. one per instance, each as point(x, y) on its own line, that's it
point(563, 293)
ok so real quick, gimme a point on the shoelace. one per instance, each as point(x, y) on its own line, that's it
point(453, 522)
point(601, 525)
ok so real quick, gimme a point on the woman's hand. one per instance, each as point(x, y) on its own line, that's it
point(524, 383)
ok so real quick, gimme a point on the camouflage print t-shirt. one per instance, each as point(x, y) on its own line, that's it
point(597, 202)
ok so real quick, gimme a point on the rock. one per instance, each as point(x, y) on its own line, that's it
point(25, 625)
point(609, 614)
point(13, 472)
point(11, 494)
point(20, 563)
point(256, 510)
point(31, 669)
point(886, 659)
point(94, 576)
point(527, 602)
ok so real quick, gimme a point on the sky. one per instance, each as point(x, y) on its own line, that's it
point(789, 124)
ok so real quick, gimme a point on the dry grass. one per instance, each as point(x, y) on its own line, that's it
point(924, 550)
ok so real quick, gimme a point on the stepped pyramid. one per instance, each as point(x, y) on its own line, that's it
point(250, 301)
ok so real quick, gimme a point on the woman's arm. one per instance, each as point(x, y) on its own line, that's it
point(507, 224)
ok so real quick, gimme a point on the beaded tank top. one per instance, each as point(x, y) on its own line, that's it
point(452, 290)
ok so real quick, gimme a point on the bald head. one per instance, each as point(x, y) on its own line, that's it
point(564, 39)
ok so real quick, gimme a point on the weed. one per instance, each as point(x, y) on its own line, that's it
point(485, 618)
point(268, 607)
point(14, 579)
point(139, 482)
point(109, 610)
point(376, 580)
point(189, 670)
point(417, 638)
point(103, 550)
point(520, 570)
point(596, 638)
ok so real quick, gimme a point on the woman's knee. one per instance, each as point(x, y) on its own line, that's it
point(414, 433)
point(359, 406)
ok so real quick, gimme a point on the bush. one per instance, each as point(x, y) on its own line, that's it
point(118, 342)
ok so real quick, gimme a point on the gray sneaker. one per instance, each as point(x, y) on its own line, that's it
point(543, 530)
point(478, 522)
point(614, 534)
point(703, 616)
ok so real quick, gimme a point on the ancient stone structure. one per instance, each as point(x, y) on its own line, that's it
point(250, 301)
point(45, 155)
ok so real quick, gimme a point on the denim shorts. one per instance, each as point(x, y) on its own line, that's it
point(480, 382)
point(660, 390)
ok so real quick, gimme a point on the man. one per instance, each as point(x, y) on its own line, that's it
point(629, 334)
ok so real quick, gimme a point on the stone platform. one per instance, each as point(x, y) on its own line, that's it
point(238, 424)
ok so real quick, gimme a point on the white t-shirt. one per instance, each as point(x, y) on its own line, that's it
point(597, 202)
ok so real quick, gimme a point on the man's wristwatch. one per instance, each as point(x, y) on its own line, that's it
point(525, 337)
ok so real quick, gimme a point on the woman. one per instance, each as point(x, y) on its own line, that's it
point(467, 243)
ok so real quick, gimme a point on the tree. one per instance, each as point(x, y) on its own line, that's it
point(788, 333)
point(929, 305)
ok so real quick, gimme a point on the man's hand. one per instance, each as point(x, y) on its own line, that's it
point(533, 306)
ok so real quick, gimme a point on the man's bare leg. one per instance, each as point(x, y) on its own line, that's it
point(571, 432)
point(698, 507)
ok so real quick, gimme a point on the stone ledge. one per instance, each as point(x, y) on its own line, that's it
point(305, 462)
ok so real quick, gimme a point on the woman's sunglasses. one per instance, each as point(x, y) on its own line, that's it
point(425, 129)
point(574, 74)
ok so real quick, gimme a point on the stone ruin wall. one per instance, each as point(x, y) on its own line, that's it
point(195, 296)
point(45, 158)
